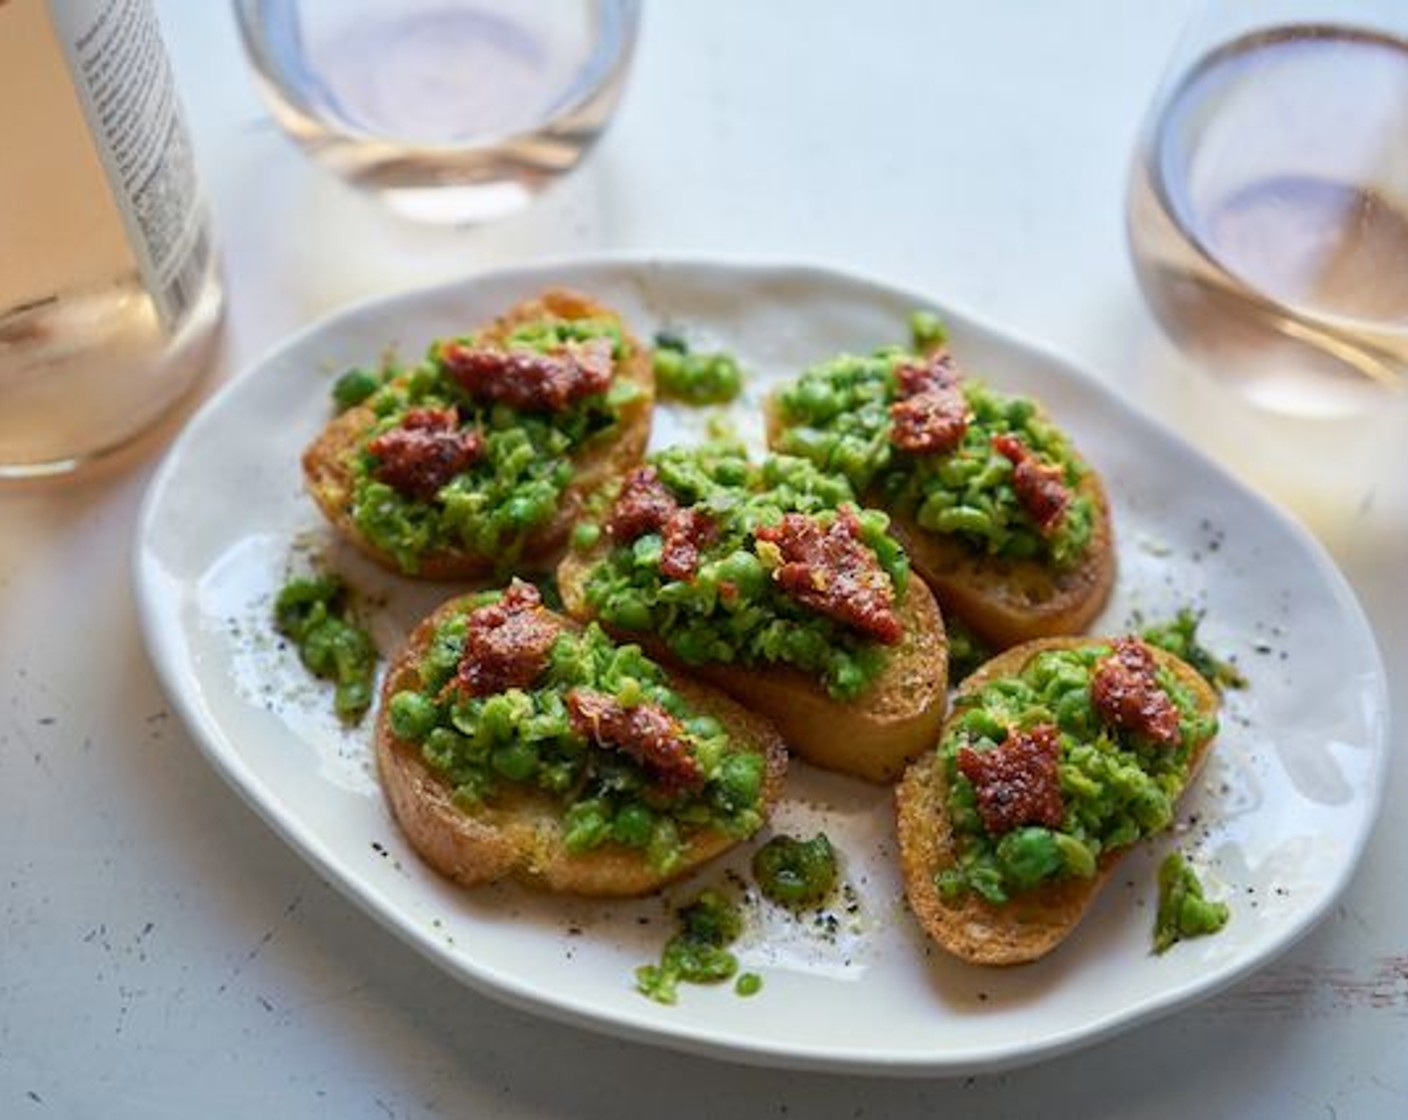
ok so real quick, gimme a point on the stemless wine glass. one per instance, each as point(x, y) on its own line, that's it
point(451, 110)
point(1268, 203)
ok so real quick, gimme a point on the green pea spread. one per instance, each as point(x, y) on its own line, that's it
point(698, 953)
point(1180, 637)
point(837, 414)
point(732, 611)
point(966, 651)
point(313, 612)
point(522, 739)
point(515, 487)
point(1117, 787)
point(697, 378)
point(794, 872)
point(1183, 910)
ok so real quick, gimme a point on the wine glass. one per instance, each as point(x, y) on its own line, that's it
point(456, 111)
point(1268, 201)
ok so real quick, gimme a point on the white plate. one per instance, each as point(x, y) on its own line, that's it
point(1277, 822)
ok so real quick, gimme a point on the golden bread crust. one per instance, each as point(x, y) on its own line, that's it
point(871, 737)
point(1005, 602)
point(327, 462)
point(1035, 922)
point(519, 836)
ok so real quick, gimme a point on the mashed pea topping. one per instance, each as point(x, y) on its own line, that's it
point(838, 415)
point(1183, 910)
point(314, 612)
point(358, 383)
point(525, 740)
point(522, 458)
point(699, 953)
point(1115, 786)
point(793, 872)
point(730, 609)
point(1179, 636)
point(693, 377)
point(966, 651)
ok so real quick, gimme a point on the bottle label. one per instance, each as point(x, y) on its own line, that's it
point(123, 80)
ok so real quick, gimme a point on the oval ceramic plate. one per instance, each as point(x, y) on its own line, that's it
point(1275, 825)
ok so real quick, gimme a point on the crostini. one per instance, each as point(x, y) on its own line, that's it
point(513, 743)
point(475, 460)
point(1058, 755)
point(997, 511)
point(770, 582)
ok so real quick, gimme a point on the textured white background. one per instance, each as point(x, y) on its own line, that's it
point(163, 954)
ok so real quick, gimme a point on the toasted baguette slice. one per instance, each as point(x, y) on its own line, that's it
point(327, 462)
point(520, 835)
point(1032, 924)
point(871, 737)
point(1010, 601)
point(1005, 601)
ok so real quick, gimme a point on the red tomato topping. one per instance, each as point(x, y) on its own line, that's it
point(527, 379)
point(835, 573)
point(931, 415)
point(923, 375)
point(425, 451)
point(684, 535)
point(646, 732)
point(1041, 488)
point(645, 505)
point(1126, 693)
point(1017, 782)
point(507, 643)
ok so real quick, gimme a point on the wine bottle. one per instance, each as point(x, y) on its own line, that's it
point(110, 290)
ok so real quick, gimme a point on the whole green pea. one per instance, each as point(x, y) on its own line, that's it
point(795, 872)
point(413, 716)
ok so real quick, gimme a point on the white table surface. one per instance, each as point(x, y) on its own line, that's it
point(162, 953)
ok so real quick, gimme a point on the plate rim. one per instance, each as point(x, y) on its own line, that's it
point(165, 650)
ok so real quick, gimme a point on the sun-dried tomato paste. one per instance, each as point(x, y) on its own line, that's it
point(507, 643)
point(931, 415)
point(531, 380)
point(424, 452)
point(1040, 487)
point(646, 732)
point(834, 572)
point(1018, 782)
point(1126, 693)
point(645, 505)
